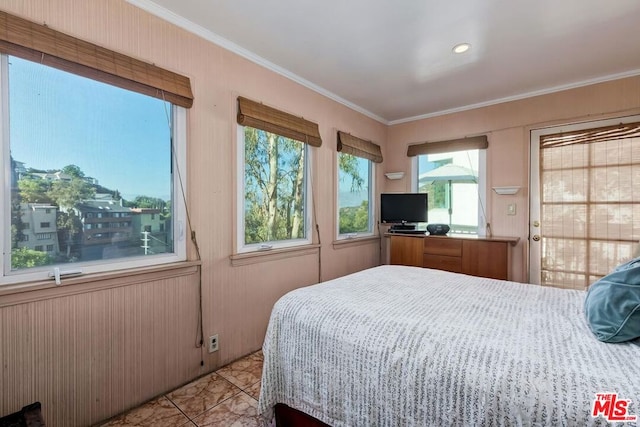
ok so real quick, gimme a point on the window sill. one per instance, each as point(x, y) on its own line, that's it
point(273, 255)
point(358, 241)
point(42, 290)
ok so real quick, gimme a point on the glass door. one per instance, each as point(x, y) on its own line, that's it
point(584, 214)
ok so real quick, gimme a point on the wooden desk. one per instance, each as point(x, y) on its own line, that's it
point(477, 256)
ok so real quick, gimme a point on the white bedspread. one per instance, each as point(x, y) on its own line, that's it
point(405, 346)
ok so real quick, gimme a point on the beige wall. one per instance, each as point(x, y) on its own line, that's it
point(508, 126)
point(90, 351)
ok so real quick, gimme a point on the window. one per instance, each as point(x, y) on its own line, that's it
point(64, 125)
point(451, 179)
point(452, 173)
point(354, 195)
point(274, 210)
point(273, 198)
point(355, 185)
point(44, 236)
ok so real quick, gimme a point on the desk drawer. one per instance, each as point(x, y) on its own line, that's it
point(442, 246)
point(441, 262)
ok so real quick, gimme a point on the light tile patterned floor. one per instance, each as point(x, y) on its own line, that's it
point(227, 397)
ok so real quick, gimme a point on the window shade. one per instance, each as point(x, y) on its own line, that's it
point(587, 136)
point(349, 144)
point(269, 119)
point(471, 143)
point(589, 206)
point(38, 43)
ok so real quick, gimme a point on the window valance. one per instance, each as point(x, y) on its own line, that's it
point(350, 144)
point(38, 43)
point(587, 136)
point(461, 144)
point(269, 119)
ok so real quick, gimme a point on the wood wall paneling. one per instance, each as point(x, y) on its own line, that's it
point(89, 356)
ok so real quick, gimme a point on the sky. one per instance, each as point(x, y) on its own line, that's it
point(119, 137)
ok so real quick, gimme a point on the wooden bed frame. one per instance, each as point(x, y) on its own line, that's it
point(289, 417)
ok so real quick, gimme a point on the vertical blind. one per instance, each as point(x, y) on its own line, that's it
point(590, 213)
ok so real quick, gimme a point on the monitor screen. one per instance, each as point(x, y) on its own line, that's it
point(403, 207)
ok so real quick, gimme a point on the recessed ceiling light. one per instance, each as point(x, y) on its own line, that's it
point(461, 48)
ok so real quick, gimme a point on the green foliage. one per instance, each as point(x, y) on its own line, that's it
point(354, 219)
point(70, 224)
point(348, 165)
point(66, 194)
point(16, 235)
point(73, 170)
point(27, 258)
point(274, 183)
point(69, 193)
point(147, 202)
point(437, 191)
point(34, 190)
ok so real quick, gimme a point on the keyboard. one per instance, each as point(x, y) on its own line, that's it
point(407, 231)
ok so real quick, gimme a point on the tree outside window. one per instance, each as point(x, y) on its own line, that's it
point(82, 155)
point(354, 194)
point(275, 181)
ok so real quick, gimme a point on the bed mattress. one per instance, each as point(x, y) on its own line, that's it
point(407, 346)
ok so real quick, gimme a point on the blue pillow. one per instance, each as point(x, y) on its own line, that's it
point(612, 305)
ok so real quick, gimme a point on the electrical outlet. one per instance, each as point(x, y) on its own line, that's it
point(213, 343)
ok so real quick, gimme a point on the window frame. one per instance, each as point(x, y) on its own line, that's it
point(178, 165)
point(241, 246)
point(372, 202)
point(483, 208)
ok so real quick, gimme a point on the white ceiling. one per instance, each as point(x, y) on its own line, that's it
point(393, 60)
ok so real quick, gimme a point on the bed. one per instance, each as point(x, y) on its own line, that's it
point(408, 346)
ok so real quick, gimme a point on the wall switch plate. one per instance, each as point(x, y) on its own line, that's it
point(213, 343)
point(511, 209)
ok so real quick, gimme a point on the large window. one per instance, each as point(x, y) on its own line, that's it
point(273, 202)
point(355, 187)
point(83, 156)
point(355, 184)
point(451, 180)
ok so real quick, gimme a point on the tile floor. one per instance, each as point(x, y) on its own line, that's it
point(226, 397)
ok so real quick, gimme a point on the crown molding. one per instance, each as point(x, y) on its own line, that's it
point(582, 83)
point(208, 35)
point(202, 32)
